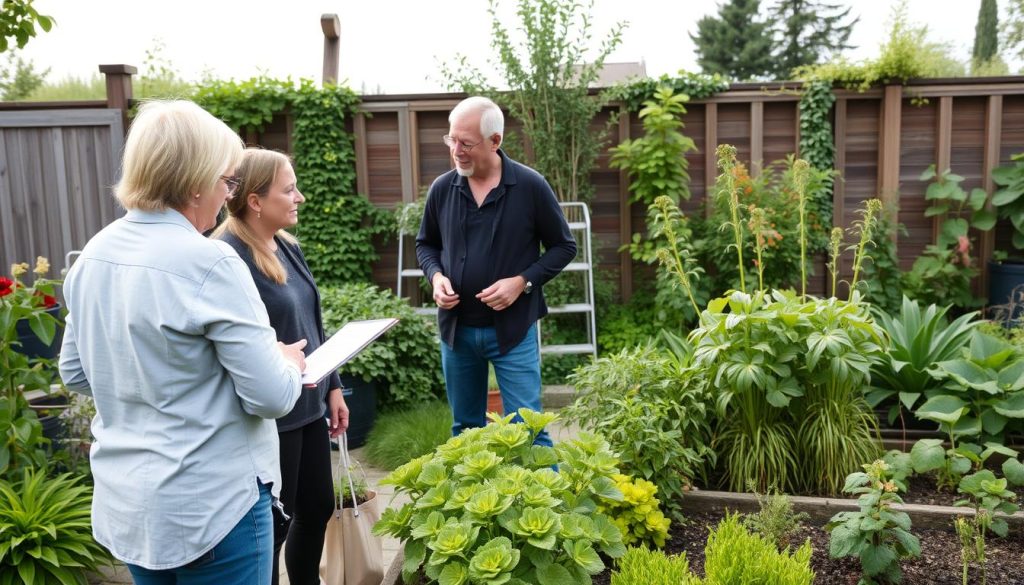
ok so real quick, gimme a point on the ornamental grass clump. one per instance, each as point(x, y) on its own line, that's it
point(487, 507)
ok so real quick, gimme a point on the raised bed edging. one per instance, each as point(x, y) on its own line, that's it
point(821, 510)
point(393, 576)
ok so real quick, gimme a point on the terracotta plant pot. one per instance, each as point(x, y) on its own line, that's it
point(494, 401)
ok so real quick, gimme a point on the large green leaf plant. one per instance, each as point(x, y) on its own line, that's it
point(919, 339)
point(487, 507)
point(787, 370)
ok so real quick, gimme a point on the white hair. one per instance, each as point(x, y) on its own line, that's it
point(492, 121)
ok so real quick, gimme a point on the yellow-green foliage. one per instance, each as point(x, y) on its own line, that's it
point(734, 556)
point(642, 566)
point(638, 516)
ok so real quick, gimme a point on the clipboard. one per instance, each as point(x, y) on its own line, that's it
point(342, 347)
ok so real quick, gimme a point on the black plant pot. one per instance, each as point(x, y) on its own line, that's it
point(32, 346)
point(49, 408)
point(1004, 278)
point(361, 398)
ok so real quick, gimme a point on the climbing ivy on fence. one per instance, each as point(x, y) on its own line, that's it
point(816, 140)
point(695, 85)
point(338, 225)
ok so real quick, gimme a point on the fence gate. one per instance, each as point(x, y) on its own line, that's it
point(57, 168)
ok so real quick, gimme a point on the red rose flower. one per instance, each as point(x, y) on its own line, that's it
point(6, 286)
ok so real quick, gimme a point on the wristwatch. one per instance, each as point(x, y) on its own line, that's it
point(528, 288)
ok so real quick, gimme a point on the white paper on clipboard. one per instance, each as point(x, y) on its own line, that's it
point(343, 346)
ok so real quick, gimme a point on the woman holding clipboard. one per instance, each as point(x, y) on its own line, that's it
point(267, 202)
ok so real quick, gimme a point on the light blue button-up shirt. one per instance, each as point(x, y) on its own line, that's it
point(168, 334)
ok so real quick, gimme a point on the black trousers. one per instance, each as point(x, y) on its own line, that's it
point(307, 493)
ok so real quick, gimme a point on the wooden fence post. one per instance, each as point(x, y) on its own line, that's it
point(119, 89)
point(331, 25)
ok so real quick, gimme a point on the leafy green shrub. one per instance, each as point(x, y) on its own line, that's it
point(775, 520)
point(877, 534)
point(486, 507)
point(735, 556)
point(653, 411)
point(942, 276)
point(46, 530)
point(406, 434)
point(641, 565)
point(788, 378)
point(406, 358)
point(919, 339)
point(638, 515)
point(1007, 199)
point(982, 392)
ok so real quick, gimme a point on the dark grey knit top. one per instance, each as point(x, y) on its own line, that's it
point(294, 311)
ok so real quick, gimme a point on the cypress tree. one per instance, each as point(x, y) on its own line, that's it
point(986, 33)
point(736, 43)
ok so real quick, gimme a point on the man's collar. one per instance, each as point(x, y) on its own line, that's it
point(508, 171)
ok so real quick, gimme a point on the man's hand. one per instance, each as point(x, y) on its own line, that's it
point(444, 294)
point(500, 295)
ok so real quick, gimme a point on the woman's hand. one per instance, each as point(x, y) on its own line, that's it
point(338, 410)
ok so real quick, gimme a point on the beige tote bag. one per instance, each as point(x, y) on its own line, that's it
point(352, 554)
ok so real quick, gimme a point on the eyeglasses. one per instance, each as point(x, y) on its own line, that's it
point(451, 142)
point(233, 183)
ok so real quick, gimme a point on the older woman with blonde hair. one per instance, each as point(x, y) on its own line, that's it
point(267, 204)
point(167, 332)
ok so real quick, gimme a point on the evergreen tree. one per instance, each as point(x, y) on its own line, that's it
point(736, 43)
point(808, 31)
point(986, 33)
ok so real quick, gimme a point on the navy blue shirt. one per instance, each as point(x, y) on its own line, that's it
point(478, 274)
point(526, 216)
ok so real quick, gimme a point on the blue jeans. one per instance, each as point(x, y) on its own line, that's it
point(465, 376)
point(243, 557)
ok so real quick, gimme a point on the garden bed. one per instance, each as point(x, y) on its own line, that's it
point(939, 563)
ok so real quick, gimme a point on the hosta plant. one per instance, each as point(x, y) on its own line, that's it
point(877, 534)
point(982, 392)
point(487, 507)
point(45, 533)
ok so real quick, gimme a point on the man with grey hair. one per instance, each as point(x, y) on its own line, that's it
point(480, 247)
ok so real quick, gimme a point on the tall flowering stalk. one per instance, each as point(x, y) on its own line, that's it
point(675, 259)
point(726, 183)
point(834, 244)
point(867, 226)
point(801, 170)
point(758, 225)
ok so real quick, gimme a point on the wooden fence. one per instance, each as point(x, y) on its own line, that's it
point(58, 162)
point(884, 139)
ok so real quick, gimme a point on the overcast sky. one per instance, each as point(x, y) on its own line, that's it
point(391, 46)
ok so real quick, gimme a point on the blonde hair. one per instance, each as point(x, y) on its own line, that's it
point(174, 150)
point(256, 173)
